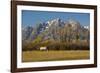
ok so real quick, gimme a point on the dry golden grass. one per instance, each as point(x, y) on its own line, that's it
point(34, 56)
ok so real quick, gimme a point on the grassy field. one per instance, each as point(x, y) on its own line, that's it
point(34, 56)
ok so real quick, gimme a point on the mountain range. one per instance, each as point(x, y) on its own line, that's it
point(57, 30)
point(51, 28)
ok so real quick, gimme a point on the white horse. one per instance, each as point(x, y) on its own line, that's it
point(43, 48)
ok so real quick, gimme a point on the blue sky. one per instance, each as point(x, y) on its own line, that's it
point(30, 17)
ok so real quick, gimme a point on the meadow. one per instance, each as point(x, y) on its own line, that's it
point(54, 55)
